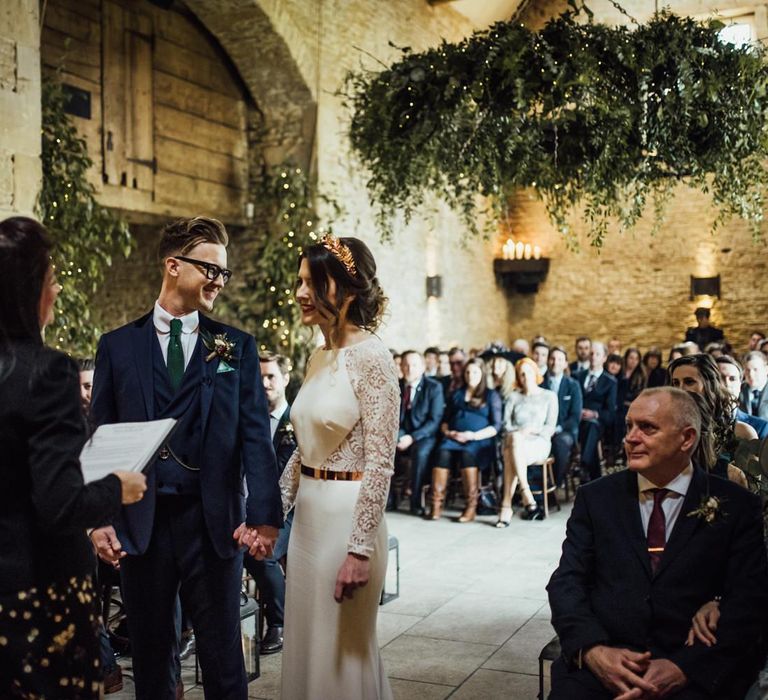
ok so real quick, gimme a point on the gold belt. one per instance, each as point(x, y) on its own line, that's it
point(330, 475)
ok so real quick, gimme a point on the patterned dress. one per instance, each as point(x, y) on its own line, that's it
point(346, 418)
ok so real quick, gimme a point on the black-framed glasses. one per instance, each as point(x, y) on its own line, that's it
point(212, 271)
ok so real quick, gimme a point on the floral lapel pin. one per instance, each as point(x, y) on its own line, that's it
point(219, 346)
point(709, 509)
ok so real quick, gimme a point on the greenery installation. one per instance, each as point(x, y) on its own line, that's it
point(86, 234)
point(600, 120)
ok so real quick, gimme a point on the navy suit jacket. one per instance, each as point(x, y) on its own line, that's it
point(759, 424)
point(570, 402)
point(604, 592)
point(427, 408)
point(744, 401)
point(236, 442)
point(602, 398)
point(284, 440)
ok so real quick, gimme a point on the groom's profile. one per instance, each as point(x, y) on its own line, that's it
point(173, 362)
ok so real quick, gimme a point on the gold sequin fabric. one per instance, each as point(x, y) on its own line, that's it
point(48, 642)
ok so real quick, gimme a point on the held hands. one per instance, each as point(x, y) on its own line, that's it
point(259, 540)
point(588, 414)
point(621, 671)
point(353, 574)
point(404, 442)
point(107, 545)
point(704, 625)
point(134, 484)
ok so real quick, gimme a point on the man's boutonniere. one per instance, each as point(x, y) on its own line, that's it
point(708, 510)
point(219, 346)
point(287, 433)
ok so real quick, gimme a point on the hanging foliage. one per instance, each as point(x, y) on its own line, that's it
point(86, 235)
point(597, 119)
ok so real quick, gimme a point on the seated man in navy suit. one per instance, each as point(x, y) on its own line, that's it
point(731, 373)
point(754, 396)
point(599, 390)
point(645, 548)
point(570, 404)
point(421, 410)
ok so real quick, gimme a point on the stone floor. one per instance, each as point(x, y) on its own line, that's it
point(471, 618)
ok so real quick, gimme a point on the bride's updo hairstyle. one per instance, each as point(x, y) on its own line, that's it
point(349, 263)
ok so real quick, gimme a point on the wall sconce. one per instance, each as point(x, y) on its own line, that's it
point(705, 287)
point(434, 287)
point(520, 251)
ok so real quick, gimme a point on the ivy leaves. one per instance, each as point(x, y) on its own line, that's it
point(595, 118)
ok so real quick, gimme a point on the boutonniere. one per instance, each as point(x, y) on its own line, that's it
point(219, 346)
point(286, 433)
point(708, 510)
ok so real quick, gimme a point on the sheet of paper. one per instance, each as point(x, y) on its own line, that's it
point(123, 447)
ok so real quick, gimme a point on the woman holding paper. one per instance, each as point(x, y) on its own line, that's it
point(48, 613)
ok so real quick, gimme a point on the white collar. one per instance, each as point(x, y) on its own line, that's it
point(281, 408)
point(162, 320)
point(679, 484)
point(596, 373)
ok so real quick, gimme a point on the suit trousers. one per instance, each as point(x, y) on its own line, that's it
point(562, 446)
point(180, 560)
point(582, 684)
point(590, 432)
point(420, 453)
point(271, 584)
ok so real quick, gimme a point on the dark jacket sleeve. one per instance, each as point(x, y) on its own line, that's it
point(263, 505)
point(496, 409)
point(572, 418)
point(61, 499)
point(435, 415)
point(607, 413)
point(744, 605)
point(572, 616)
point(102, 401)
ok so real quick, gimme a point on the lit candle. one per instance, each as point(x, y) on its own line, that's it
point(536, 252)
point(527, 251)
point(519, 250)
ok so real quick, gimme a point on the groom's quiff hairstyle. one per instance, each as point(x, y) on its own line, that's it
point(182, 235)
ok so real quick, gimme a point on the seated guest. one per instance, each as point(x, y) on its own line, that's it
point(540, 355)
point(613, 365)
point(638, 562)
point(599, 412)
point(657, 375)
point(48, 606)
point(444, 365)
point(570, 404)
point(614, 347)
point(754, 397)
point(431, 361)
point(703, 333)
point(469, 428)
point(699, 374)
point(396, 357)
point(421, 410)
point(502, 376)
point(530, 419)
point(731, 374)
point(632, 381)
point(267, 573)
point(583, 348)
point(455, 379)
point(755, 339)
point(682, 350)
point(715, 349)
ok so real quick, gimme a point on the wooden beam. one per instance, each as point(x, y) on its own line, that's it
point(439, 2)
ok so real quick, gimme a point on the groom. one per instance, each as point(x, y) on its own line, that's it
point(184, 537)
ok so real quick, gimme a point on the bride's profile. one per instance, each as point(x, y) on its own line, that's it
point(345, 418)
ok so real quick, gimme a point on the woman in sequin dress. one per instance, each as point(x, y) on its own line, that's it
point(48, 642)
point(345, 418)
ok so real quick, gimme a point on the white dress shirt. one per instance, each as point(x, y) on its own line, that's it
point(190, 325)
point(275, 416)
point(554, 382)
point(672, 503)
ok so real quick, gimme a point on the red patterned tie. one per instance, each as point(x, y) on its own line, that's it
point(657, 528)
point(407, 398)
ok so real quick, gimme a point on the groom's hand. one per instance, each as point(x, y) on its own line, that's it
point(107, 545)
point(260, 540)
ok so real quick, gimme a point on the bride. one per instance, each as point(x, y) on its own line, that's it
point(345, 419)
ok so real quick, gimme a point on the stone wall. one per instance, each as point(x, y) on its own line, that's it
point(20, 172)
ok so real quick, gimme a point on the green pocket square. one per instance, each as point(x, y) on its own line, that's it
point(224, 367)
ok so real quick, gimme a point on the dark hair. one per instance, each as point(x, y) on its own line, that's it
point(361, 290)
point(24, 259)
point(728, 360)
point(760, 333)
point(456, 349)
point(653, 352)
point(639, 377)
point(405, 353)
point(480, 392)
point(432, 350)
point(86, 364)
point(283, 363)
point(702, 312)
point(614, 358)
point(540, 344)
point(182, 235)
point(581, 339)
point(717, 402)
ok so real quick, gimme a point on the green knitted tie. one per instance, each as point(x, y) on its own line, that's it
point(175, 355)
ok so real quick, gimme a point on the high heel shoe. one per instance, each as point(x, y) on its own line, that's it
point(504, 521)
point(533, 512)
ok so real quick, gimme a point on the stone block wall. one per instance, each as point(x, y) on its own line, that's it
point(20, 172)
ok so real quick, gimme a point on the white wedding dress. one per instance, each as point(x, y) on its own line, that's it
point(345, 418)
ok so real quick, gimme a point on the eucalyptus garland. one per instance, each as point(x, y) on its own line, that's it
point(598, 120)
point(86, 234)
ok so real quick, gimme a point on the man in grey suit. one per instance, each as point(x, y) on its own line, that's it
point(754, 397)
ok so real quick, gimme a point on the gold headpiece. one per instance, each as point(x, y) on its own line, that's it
point(340, 251)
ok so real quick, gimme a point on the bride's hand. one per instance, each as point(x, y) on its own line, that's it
point(353, 574)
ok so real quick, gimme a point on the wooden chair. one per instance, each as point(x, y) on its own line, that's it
point(548, 484)
point(549, 653)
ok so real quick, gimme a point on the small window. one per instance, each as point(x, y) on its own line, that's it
point(739, 33)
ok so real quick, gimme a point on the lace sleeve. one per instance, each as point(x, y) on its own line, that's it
point(375, 385)
point(289, 481)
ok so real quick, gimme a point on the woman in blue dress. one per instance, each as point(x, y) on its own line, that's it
point(472, 420)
